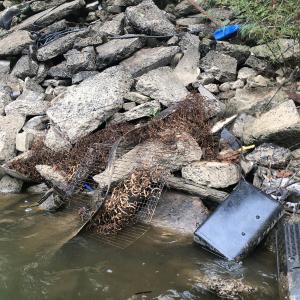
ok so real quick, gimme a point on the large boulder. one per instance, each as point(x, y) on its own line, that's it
point(280, 125)
point(162, 85)
point(116, 50)
point(152, 154)
point(212, 174)
point(84, 107)
point(146, 60)
point(179, 213)
point(222, 66)
point(27, 107)
point(9, 127)
point(14, 42)
point(148, 18)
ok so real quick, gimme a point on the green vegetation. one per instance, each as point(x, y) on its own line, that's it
point(267, 20)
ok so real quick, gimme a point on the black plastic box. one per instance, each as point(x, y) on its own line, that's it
point(239, 223)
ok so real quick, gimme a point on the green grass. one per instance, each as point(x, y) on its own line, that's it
point(266, 20)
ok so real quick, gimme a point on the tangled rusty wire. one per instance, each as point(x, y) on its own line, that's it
point(188, 116)
point(127, 200)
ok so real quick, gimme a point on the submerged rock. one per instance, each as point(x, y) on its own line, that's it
point(162, 85)
point(169, 212)
point(83, 108)
point(147, 17)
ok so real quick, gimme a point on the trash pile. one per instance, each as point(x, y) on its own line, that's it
point(99, 102)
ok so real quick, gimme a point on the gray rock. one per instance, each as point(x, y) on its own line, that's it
point(5, 98)
point(187, 70)
point(9, 127)
point(52, 203)
point(169, 213)
point(241, 122)
point(280, 125)
point(255, 99)
point(137, 97)
point(10, 185)
point(84, 107)
point(206, 78)
point(31, 85)
point(238, 84)
point(212, 174)
point(27, 108)
point(148, 109)
point(190, 20)
point(41, 73)
point(270, 155)
point(258, 64)
point(37, 6)
point(36, 125)
point(129, 105)
point(213, 88)
point(24, 141)
point(57, 178)
point(153, 153)
point(112, 27)
point(239, 52)
point(146, 60)
point(280, 50)
point(245, 73)
point(225, 87)
point(258, 81)
point(147, 17)
point(15, 42)
point(24, 67)
point(29, 95)
point(222, 66)
point(56, 141)
point(45, 18)
point(84, 60)
point(184, 8)
point(91, 38)
point(80, 76)
point(162, 85)
point(220, 13)
point(37, 189)
point(59, 46)
point(212, 105)
point(60, 71)
point(4, 66)
point(116, 50)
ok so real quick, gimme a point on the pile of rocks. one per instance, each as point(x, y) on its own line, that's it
point(68, 67)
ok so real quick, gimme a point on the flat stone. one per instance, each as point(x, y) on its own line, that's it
point(9, 127)
point(111, 27)
point(146, 60)
point(27, 108)
point(15, 42)
point(239, 52)
point(212, 174)
point(153, 153)
point(37, 6)
point(4, 66)
point(60, 71)
point(162, 85)
point(59, 46)
point(24, 141)
point(49, 16)
point(37, 189)
point(222, 66)
point(25, 67)
point(255, 99)
point(213, 88)
point(147, 17)
point(56, 141)
point(10, 185)
point(258, 81)
point(137, 97)
point(86, 106)
point(280, 125)
point(281, 50)
point(116, 50)
point(258, 64)
point(84, 60)
point(30, 95)
point(129, 105)
point(245, 73)
point(270, 155)
point(80, 76)
point(169, 213)
point(187, 70)
point(148, 109)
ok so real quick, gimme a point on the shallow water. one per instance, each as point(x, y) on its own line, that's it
point(162, 265)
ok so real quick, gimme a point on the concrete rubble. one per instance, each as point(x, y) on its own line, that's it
point(70, 70)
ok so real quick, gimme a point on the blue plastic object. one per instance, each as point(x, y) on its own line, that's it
point(226, 32)
point(88, 187)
